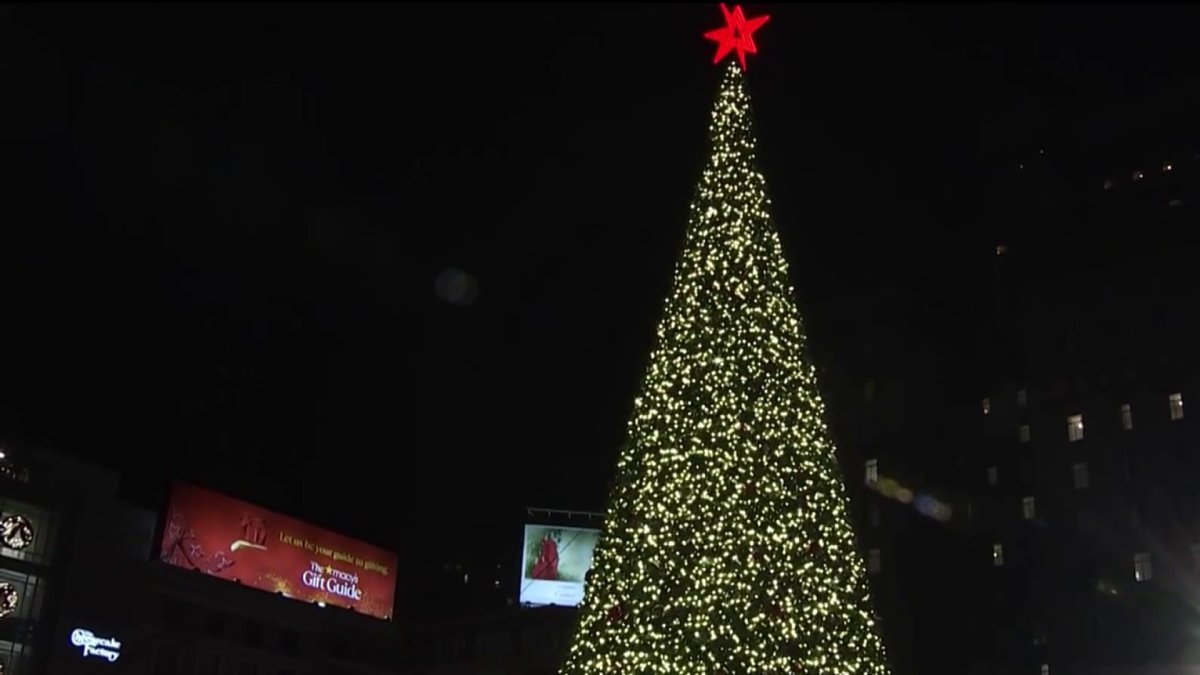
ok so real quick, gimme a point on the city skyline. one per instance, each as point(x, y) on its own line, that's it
point(378, 277)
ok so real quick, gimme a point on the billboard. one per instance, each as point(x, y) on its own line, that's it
point(234, 540)
point(555, 563)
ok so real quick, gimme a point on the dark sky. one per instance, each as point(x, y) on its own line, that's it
point(223, 225)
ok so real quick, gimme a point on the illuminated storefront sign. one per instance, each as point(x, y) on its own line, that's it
point(106, 648)
point(333, 581)
point(247, 544)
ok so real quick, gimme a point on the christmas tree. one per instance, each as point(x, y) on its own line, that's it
point(727, 545)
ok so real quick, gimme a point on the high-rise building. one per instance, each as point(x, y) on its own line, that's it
point(1083, 471)
point(892, 418)
point(1024, 465)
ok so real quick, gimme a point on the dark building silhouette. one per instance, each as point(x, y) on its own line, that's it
point(1082, 471)
point(58, 517)
point(889, 412)
point(93, 598)
point(484, 628)
point(513, 641)
point(1040, 407)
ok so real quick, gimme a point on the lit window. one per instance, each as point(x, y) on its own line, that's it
point(1001, 249)
point(1080, 474)
point(1028, 510)
point(1126, 417)
point(998, 555)
point(993, 475)
point(1138, 175)
point(1045, 669)
point(986, 405)
point(1023, 433)
point(1167, 167)
point(1176, 401)
point(1142, 571)
point(874, 561)
point(1022, 399)
point(1108, 184)
point(873, 514)
point(1075, 428)
point(872, 471)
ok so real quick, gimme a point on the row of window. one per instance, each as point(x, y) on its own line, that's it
point(1022, 401)
point(1143, 569)
point(1079, 474)
point(168, 661)
point(1075, 422)
point(1138, 174)
point(538, 643)
point(248, 631)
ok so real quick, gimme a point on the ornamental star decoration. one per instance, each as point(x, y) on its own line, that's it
point(738, 34)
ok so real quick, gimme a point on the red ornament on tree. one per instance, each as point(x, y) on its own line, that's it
point(616, 612)
point(814, 547)
point(738, 34)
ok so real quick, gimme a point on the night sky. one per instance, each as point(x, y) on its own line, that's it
point(223, 227)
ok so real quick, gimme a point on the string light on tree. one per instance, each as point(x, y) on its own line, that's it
point(727, 546)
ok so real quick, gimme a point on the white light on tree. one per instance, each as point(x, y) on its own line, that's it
point(727, 546)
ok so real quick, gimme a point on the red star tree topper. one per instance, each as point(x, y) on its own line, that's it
point(738, 34)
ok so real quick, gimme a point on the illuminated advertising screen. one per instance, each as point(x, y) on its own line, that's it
point(555, 563)
point(234, 540)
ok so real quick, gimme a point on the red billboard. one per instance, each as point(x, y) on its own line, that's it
point(234, 540)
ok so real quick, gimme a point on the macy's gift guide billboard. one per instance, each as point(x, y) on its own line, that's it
point(555, 564)
point(234, 540)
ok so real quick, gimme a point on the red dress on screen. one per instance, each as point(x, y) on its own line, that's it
point(546, 566)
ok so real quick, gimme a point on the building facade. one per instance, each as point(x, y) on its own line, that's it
point(91, 596)
point(1040, 407)
point(514, 641)
point(891, 416)
point(1084, 539)
point(52, 509)
point(170, 621)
